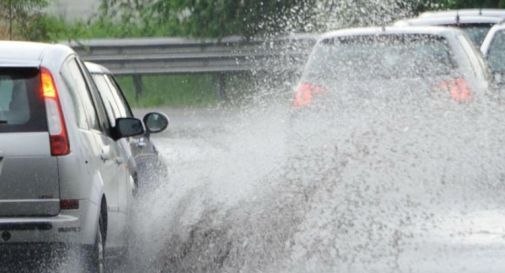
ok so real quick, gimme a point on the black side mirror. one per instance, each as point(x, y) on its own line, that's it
point(155, 122)
point(127, 127)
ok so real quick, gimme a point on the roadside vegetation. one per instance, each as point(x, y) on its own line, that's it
point(25, 20)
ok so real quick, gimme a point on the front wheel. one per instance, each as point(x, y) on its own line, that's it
point(94, 256)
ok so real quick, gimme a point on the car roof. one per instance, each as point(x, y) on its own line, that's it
point(433, 30)
point(464, 12)
point(20, 53)
point(95, 68)
point(449, 20)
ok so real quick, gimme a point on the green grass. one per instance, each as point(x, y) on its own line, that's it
point(172, 90)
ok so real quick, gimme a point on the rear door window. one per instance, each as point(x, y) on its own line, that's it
point(85, 112)
point(113, 111)
point(114, 101)
point(21, 104)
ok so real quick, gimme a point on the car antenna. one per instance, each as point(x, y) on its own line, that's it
point(457, 17)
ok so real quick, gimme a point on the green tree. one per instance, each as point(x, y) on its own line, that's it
point(18, 16)
point(213, 18)
point(218, 18)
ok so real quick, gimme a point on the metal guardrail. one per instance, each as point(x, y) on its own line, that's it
point(176, 55)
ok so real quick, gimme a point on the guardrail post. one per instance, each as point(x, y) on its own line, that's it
point(221, 85)
point(139, 87)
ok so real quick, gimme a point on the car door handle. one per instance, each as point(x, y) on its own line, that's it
point(105, 154)
point(1, 155)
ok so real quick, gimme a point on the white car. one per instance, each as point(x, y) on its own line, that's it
point(476, 26)
point(64, 178)
point(464, 12)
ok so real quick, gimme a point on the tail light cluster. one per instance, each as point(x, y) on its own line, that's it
point(458, 88)
point(305, 93)
point(58, 136)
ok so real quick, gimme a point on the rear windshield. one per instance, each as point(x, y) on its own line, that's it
point(380, 57)
point(496, 52)
point(21, 106)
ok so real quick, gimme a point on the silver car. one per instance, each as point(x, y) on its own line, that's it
point(421, 59)
point(64, 175)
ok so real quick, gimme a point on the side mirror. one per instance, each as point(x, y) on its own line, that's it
point(155, 122)
point(127, 127)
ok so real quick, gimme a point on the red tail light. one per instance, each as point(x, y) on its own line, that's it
point(458, 88)
point(304, 94)
point(58, 136)
point(69, 204)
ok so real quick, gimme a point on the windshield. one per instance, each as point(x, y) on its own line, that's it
point(358, 58)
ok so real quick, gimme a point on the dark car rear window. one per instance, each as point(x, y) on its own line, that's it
point(21, 105)
point(381, 57)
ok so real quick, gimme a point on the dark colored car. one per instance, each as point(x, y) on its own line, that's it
point(144, 160)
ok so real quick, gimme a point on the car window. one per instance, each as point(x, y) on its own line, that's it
point(357, 58)
point(476, 32)
point(118, 95)
point(111, 107)
point(496, 52)
point(83, 105)
point(101, 113)
point(21, 107)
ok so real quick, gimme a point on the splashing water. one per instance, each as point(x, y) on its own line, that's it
point(393, 187)
point(392, 184)
point(382, 186)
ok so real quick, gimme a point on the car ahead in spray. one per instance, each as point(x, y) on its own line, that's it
point(493, 50)
point(464, 12)
point(64, 178)
point(347, 67)
point(144, 161)
point(476, 26)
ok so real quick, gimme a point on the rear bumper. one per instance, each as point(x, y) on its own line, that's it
point(69, 227)
point(57, 229)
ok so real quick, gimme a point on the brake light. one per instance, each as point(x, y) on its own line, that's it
point(304, 94)
point(58, 136)
point(69, 204)
point(458, 88)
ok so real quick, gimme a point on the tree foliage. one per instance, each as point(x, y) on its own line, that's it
point(18, 17)
point(217, 18)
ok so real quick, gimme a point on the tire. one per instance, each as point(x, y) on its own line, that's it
point(94, 256)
